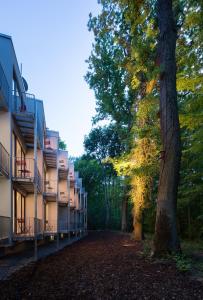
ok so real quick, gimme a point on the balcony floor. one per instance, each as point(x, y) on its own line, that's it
point(26, 184)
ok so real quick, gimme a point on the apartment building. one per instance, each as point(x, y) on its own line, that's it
point(38, 198)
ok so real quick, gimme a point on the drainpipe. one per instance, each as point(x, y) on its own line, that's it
point(35, 181)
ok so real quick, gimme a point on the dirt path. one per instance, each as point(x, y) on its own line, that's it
point(102, 266)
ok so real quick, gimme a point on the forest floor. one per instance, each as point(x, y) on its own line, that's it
point(104, 265)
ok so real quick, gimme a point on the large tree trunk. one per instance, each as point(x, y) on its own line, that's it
point(137, 223)
point(166, 237)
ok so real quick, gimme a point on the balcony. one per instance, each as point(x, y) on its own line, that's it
point(24, 111)
point(71, 179)
point(63, 198)
point(50, 154)
point(50, 190)
point(4, 161)
point(50, 227)
point(26, 229)
point(63, 169)
point(4, 229)
point(26, 175)
point(4, 91)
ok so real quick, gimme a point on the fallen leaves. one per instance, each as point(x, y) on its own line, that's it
point(102, 266)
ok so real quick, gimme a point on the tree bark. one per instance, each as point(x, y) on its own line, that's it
point(137, 224)
point(166, 237)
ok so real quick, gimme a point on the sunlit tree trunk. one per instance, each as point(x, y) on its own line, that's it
point(137, 223)
point(166, 237)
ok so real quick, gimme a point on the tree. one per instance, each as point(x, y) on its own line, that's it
point(119, 73)
point(132, 62)
point(166, 237)
point(103, 143)
point(62, 144)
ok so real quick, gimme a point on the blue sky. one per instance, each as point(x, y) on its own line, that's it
point(51, 41)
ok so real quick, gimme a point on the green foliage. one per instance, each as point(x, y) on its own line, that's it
point(62, 145)
point(101, 183)
point(123, 72)
point(183, 263)
point(103, 142)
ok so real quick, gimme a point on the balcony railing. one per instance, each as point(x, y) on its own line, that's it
point(49, 144)
point(63, 164)
point(25, 171)
point(39, 181)
point(50, 226)
point(4, 86)
point(63, 197)
point(28, 227)
point(23, 167)
point(4, 227)
point(4, 161)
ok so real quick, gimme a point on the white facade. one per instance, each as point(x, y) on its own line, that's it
point(40, 194)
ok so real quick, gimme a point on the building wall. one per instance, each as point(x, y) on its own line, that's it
point(5, 130)
point(30, 206)
point(5, 184)
point(63, 189)
point(5, 197)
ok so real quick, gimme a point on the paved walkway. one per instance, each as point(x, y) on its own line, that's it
point(10, 264)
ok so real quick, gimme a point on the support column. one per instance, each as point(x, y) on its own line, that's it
point(35, 181)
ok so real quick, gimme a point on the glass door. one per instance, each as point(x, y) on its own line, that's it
point(19, 206)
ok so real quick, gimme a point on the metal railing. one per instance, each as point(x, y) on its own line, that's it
point(4, 86)
point(50, 186)
point(23, 167)
point(39, 181)
point(4, 227)
point(50, 226)
point(63, 165)
point(4, 161)
point(28, 227)
point(63, 197)
point(50, 143)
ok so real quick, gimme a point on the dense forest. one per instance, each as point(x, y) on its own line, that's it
point(143, 164)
